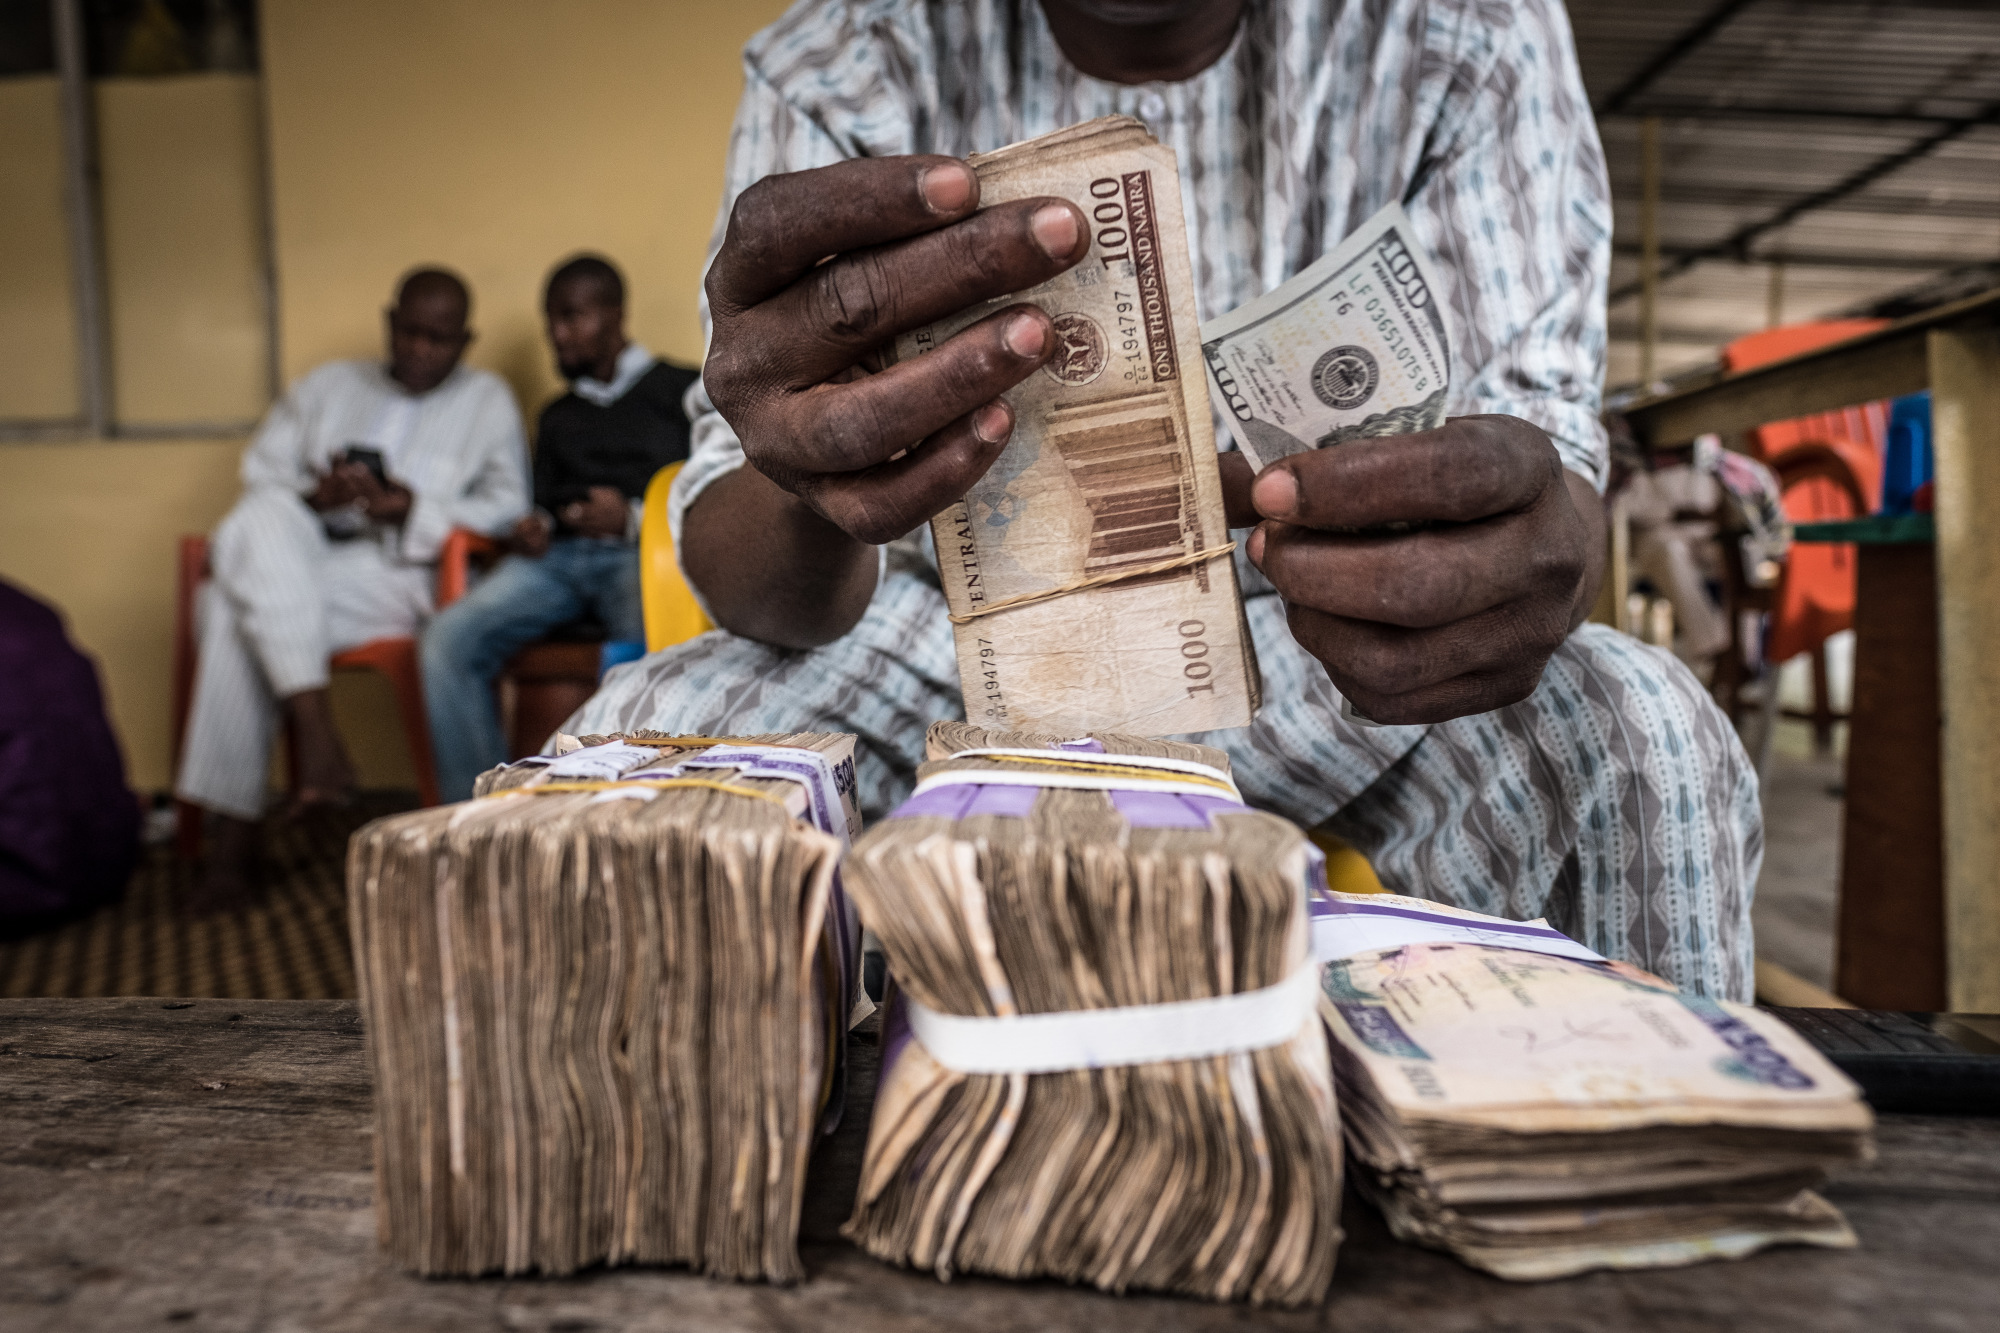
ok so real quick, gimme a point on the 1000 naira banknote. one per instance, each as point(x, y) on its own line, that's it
point(1088, 571)
point(1352, 347)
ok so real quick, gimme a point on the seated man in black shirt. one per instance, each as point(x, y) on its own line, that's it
point(597, 447)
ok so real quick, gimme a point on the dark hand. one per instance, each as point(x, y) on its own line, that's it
point(384, 502)
point(334, 491)
point(604, 514)
point(530, 536)
point(790, 331)
point(1455, 618)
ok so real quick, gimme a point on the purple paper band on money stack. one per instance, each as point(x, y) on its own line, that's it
point(1321, 907)
point(967, 800)
point(1166, 809)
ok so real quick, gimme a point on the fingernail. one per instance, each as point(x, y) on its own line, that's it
point(1055, 230)
point(1025, 336)
point(1255, 547)
point(992, 423)
point(946, 189)
point(1276, 494)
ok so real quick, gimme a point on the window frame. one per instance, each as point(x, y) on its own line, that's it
point(89, 291)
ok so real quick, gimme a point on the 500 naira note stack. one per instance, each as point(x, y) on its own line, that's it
point(1513, 1099)
point(605, 1005)
point(1104, 1063)
point(1088, 571)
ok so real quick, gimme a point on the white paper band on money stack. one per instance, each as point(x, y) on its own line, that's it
point(592, 763)
point(1108, 1038)
point(1344, 924)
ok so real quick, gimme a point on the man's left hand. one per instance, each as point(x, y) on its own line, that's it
point(1455, 615)
point(604, 514)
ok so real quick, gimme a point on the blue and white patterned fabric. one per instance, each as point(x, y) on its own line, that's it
point(1616, 800)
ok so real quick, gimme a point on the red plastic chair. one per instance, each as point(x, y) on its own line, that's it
point(393, 658)
point(1829, 465)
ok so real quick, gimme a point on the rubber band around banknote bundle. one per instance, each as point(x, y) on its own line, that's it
point(631, 784)
point(1094, 581)
point(1140, 1034)
point(702, 742)
point(1125, 772)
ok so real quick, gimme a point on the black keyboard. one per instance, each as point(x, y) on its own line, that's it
point(1939, 1063)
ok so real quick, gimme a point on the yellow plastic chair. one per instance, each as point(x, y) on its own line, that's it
point(672, 614)
point(1347, 870)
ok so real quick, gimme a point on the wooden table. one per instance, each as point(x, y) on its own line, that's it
point(1954, 351)
point(205, 1165)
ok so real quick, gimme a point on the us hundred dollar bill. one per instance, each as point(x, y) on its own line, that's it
point(1352, 347)
point(1110, 474)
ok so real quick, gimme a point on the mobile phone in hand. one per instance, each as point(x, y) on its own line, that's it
point(368, 457)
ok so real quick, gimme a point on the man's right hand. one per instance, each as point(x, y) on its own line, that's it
point(877, 454)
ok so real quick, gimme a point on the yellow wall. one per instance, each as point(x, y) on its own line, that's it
point(91, 528)
point(37, 314)
point(183, 217)
point(496, 137)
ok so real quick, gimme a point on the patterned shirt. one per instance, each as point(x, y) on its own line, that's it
point(1616, 799)
point(1470, 112)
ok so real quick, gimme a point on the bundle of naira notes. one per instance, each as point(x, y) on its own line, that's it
point(606, 1003)
point(1102, 1061)
point(1088, 571)
point(1511, 1098)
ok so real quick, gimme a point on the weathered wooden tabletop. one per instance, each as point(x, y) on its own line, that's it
point(205, 1165)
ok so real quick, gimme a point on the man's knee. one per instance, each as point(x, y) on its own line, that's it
point(468, 637)
point(450, 641)
point(1666, 754)
point(482, 629)
point(1650, 697)
point(265, 509)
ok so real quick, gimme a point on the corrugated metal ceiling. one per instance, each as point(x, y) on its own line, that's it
point(1885, 115)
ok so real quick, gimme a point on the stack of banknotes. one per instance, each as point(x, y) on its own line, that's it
point(1088, 571)
point(1511, 1098)
point(605, 1004)
point(1103, 1061)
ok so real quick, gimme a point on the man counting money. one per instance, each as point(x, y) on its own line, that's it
point(1530, 765)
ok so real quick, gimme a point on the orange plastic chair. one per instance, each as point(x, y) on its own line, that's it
point(1829, 466)
point(393, 658)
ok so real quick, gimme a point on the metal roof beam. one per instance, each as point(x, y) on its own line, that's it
point(1739, 242)
point(1706, 111)
point(1807, 258)
point(1672, 54)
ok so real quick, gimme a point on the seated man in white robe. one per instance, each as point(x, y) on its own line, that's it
point(349, 490)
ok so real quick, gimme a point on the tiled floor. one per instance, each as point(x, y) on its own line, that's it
point(1796, 894)
point(290, 944)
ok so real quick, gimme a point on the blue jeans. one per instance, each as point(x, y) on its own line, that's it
point(468, 642)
